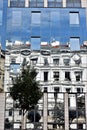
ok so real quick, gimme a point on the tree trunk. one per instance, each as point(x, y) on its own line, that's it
point(23, 126)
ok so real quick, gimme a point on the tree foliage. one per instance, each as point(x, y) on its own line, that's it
point(26, 91)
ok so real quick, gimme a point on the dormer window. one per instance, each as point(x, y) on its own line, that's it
point(56, 61)
point(66, 61)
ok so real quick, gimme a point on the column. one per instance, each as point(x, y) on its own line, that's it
point(66, 112)
point(2, 110)
point(86, 108)
point(45, 105)
point(26, 3)
point(45, 3)
point(64, 3)
point(83, 3)
point(8, 3)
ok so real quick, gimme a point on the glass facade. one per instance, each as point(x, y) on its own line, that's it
point(36, 3)
point(17, 3)
point(46, 24)
point(73, 3)
point(55, 3)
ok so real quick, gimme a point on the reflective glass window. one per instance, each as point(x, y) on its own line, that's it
point(74, 43)
point(74, 18)
point(15, 68)
point(16, 18)
point(73, 3)
point(0, 17)
point(55, 3)
point(36, 3)
point(35, 43)
point(17, 3)
point(36, 17)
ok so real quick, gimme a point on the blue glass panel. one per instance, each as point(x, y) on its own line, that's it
point(17, 3)
point(74, 44)
point(35, 43)
point(35, 31)
point(16, 18)
point(0, 17)
point(74, 18)
point(35, 18)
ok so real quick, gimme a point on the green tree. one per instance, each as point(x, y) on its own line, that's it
point(26, 91)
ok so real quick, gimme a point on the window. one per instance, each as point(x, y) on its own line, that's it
point(78, 76)
point(16, 18)
point(13, 60)
point(74, 43)
point(73, 3)
point(56, 89)
point(45, 76)
point(34, 61)
point(10, 112)
point(0, 17)
point(68, 90)
point(56, 61)
point(35, 19)
point(74, 18)
point(20, 112)
point(35, 43)
point(55, 3)
point(79, 90)
point(56, 76)
point(66, 61)
point(46, 61)
point(17, 3)
point(36, 3)
point(67, 76)
point(14, 68)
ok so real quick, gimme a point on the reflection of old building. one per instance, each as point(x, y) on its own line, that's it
point(2, 60)
point(57, 32)
point(60, 70)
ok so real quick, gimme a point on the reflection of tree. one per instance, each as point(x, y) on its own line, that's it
point(8, 124)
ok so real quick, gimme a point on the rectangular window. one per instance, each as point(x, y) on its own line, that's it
point(74, 18)
point(36, 3)
point(16, 18)
point(17, 3)
point(15, 68)
point(73, 3)
point(68, 90)
point(46, 61)
point(67, 76)
point(56, 76)
point(56, 61)
point(78, 76)
point(74, 43)
point(10, 112)
point(34, 61)
point(55, 3)
point(79, 90)
point(0, 17)
point(35, 43)
point(66, 61)
point(36, 17)
point(45, 76)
